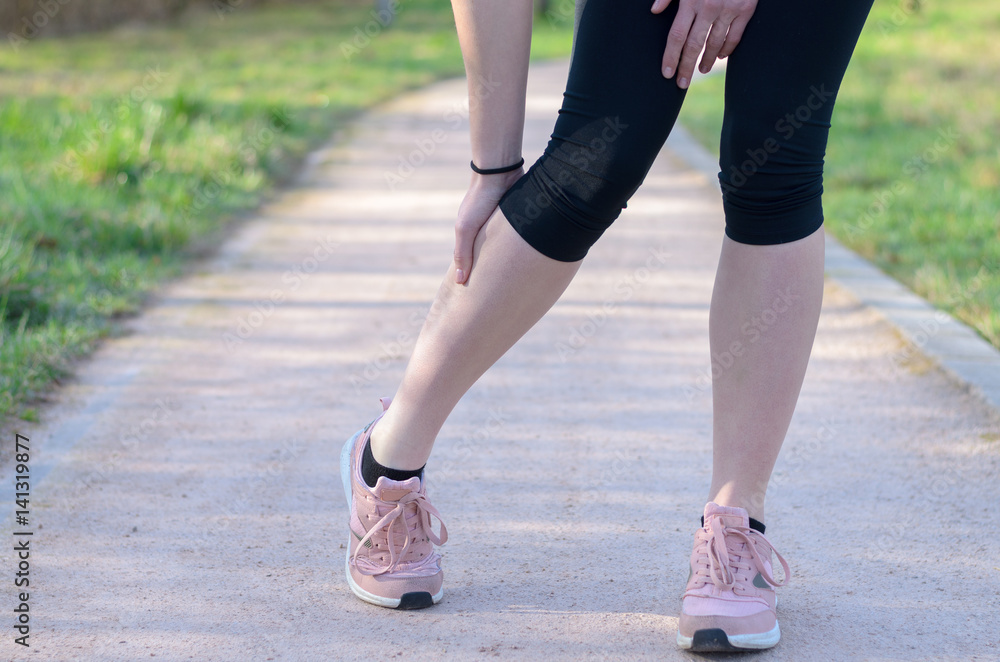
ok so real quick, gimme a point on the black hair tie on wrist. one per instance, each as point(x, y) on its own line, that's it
point(495, 171)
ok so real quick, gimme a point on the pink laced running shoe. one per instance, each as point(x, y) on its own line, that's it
point(729, 603)
point(390, 553)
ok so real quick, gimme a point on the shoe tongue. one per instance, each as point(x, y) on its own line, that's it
point(730, 516)
point(394, 490)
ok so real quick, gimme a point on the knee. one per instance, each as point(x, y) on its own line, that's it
point(772, 181)
point(577, 189)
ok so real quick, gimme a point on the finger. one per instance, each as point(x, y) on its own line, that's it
point(678, 34)
point(660, 5)
point(465, 238)
point(716, 39)
point(692, 49)
point(734, 35)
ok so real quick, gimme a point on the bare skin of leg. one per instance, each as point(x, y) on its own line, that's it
point(765, 310)
point(511, 286)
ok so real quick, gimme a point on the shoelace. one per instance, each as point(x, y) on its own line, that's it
point(423, 512)
point(721, 566)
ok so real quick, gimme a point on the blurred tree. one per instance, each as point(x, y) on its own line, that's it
point(26, 19)
point(386, 11)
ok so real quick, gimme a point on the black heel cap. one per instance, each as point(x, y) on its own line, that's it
point(713, 640)
point(418, 600)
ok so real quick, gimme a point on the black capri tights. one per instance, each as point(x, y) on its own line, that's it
point(781, 84)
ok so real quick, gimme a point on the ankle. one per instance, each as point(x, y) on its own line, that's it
point(388, 452)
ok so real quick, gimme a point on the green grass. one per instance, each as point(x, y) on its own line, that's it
point(913, 165)
point(123, 154)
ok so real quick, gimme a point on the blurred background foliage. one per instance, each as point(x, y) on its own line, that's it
point(61, 17)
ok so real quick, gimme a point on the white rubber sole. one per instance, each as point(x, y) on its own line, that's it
point(755, 641)
point(345, 478)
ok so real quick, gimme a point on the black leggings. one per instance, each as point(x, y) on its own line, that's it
point(618, 109)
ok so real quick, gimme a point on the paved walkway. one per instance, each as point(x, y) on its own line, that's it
point(190, 504)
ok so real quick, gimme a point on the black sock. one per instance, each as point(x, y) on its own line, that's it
point(371, 470)
point(754, 524)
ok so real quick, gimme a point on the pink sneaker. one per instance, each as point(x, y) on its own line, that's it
point(729, 603)
point(390, 553)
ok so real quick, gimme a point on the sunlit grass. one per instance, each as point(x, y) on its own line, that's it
point(123, 152)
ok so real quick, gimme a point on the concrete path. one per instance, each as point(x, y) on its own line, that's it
point(186, 501)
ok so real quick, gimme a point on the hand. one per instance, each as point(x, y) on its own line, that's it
point(477, 207)
point(716, 25)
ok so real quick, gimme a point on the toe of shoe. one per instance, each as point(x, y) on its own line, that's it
point(388, 590)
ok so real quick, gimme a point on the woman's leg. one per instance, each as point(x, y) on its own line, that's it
point(616, 114)
point(781, 85)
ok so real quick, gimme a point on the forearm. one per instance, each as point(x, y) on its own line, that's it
point(496, 40)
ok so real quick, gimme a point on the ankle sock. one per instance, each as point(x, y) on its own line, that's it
point(371, 470)
point(754, 524)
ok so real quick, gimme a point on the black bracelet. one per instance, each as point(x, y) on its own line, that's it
point(495, 171)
